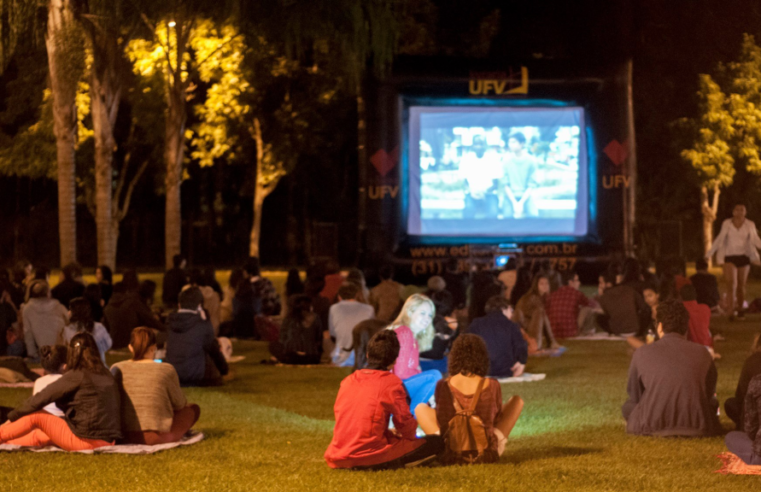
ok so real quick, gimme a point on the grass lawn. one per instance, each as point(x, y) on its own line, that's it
point(267, 430)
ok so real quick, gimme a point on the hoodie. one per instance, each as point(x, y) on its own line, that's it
point(44, 320)
point(190, 340)
point(125, 312)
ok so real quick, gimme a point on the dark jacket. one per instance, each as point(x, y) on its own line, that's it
point(124, 313)
point(504, 342)
point(672, 388)
point(174, 280)
point(66, 291)
point(91, 403)
point(625, 308)
point(189, 341)
point(752, 415)
point(297, 338)
point(751, 369)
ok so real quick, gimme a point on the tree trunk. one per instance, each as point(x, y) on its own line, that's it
point(64, 90)
point(709, 210)
point(256, 229)
point(173, 155)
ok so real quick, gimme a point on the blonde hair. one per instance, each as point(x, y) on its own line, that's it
point(424, 337)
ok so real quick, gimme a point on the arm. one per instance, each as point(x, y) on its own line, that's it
point(66, 385)
point(633, 388)
point(754, 239)
point(331, 322)
point(176, 396)
point(211, 347)
point(719, 239)
point(404, 422)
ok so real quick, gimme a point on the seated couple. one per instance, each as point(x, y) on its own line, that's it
point(143, 404)
point(672, 382)
point(367, 399)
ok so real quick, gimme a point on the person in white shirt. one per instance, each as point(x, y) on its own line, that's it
point(53, 361)
point(736, 248)
point(342, 318)
point(481, 172)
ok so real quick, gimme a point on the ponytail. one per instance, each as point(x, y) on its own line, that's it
point(141, 340)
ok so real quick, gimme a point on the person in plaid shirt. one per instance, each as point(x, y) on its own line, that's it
point(263, 288)
point(564, 306)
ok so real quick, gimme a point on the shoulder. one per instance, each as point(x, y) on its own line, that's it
point(755, 385)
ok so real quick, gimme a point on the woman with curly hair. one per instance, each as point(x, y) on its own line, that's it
point(468, 367)
point(414, 328)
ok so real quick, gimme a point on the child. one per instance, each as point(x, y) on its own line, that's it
point(53, 360)
point(468, 366)
point(366, 400)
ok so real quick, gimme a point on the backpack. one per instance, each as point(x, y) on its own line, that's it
point(466, 438)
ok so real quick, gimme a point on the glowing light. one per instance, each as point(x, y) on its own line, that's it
point(172, 23)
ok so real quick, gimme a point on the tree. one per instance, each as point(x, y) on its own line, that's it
point(728, 130)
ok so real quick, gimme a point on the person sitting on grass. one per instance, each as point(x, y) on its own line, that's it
point(506, 347)
point(649, 329)
point(734, 406)
point(747, 445)
point(531, 313)
point(43, 318)
point(467, 388)
point(365, 402)
point(414, 328)
point(154, 409)
point(568, 309)
point(706, 286)
point(80, 319)
point(88, 396)
point(700, 319)
point(672, 382)
point(53, 361)
point(343, 316)
point(300, 334)
point(191, 346)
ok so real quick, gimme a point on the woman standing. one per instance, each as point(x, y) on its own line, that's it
point(735, 248)
point(414, 329)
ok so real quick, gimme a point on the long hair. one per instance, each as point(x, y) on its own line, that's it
point(424, 337)
point(535, 283)
point(141, 339)
point(84, 356)
point(81, 314)
point(299, 306)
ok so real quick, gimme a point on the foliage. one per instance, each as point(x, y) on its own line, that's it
point(18, 24)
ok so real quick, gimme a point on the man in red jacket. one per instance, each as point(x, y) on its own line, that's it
point(366, 400)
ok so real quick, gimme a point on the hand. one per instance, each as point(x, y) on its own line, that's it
point(518, 369)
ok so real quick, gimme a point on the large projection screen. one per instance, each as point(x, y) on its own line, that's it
point(503, 172)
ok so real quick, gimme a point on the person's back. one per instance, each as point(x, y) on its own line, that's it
point(503, 338)
point(342, 318)
point(44, 319)
point(150, 395)
point(705, 284)
point(672, 382)
point(124, 313)
point(622, 304)
point(67, 290)
point(386, 298)
point(700, 320)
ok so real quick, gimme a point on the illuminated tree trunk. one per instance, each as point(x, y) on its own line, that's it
point(710, 210)
point(268, 175)
point(64, 89)
point(173, 155)
point(105, 92)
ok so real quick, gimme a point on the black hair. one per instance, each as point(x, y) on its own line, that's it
point(252, 266)
point(52, 357)
point(673, 317)
point(382, 349)
point(83, 354)
point(568, 276)
point(177, 260)
point(131, 281)
point(496, 303)
point(299, 306)
point(81, 314)
point(520, 137)
point(236, 277)
point(72, 271)
point(195, 277)
point(147, 291)
point(191, 298)
point(293, 284)
point(469, 356)
point(701, 264)
point(38, 289)
point(41, 273)
point(631, 270)
point(688, 293)
point(119, 288)
point(106, 273)
point(348, 291)
point(386, 272)
point(442, 302)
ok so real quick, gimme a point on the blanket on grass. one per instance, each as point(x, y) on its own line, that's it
point(603, 336)
point(731, 464)
point(187, 440)
point(524, 378)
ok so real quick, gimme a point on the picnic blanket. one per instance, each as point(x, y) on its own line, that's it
point(603, 336)
point(187, 440)
point(524, 378)
point(733, 465)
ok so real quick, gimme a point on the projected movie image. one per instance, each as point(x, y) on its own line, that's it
point(497, 172)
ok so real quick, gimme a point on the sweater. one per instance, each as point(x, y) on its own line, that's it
point(44, 320)
point(672, 388)
point(90, 403)
point(504, 341)
point(408, 362)
point(365, 402)
point(150, 395)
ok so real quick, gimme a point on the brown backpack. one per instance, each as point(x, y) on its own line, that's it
point(466, 438)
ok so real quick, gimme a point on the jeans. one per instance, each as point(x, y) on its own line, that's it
point(421, 387)
point(741, 445)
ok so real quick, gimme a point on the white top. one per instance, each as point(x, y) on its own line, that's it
point(480, 173)
point(734, 241)
point(40, 385)
point(342, 319)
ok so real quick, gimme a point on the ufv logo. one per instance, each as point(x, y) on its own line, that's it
point(499, 83)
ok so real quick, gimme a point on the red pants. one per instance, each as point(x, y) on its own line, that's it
point(181, 423)
point(43, 429)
